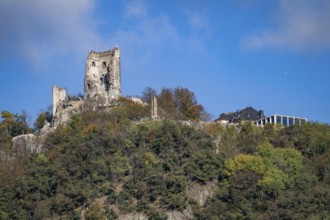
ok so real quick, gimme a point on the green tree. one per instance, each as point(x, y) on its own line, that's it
point(277, 166)
point(14, 124)
point(43, 118)
point(133, 110)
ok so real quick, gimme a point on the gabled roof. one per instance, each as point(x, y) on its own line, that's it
point(247, 114)
point(225, 116)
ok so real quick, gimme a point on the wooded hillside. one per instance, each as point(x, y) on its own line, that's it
point(106, 165)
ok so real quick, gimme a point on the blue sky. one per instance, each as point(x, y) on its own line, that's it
point(271, 55)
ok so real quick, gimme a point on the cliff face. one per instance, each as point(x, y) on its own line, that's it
point(25, 144)
point(201, 193)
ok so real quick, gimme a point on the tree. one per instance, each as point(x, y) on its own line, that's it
point(180, 103)
point(14, 124)
point(133, 110)
point(147, 94)
point(42, 119)
point(186, 104)
point(166, 103)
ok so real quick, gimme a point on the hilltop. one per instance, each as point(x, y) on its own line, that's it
point(104, 165)
point(99, 155)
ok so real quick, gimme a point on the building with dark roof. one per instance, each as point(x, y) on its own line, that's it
point(247, 114)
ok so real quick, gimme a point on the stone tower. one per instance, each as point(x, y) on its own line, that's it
point(102, 78)
point(154, 108)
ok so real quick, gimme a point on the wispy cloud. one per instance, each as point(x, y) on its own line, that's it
point(36, 30)
point(197, 19)
point(40, 30)
point(301, 25)
point(137, 8)
point(148, 29)
point(152, 34)
point(143, 39)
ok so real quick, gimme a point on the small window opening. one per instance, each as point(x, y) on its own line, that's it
point(88, 86)
point(104, 64)
point(101, 80)
point(93, 63)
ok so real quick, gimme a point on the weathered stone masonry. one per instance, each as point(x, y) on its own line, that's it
point(102, 78)
point(102, 86)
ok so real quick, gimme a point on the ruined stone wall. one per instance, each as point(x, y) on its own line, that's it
point(59, 95)
point(101, 86)
point(65, 110)
point(102, 78)
point(154, 108)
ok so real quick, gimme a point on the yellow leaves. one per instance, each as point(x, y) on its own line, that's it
point(213, 129)
point(245, 161)
point(277, 166)
point(8, 120)
point(41, 158)
point(273, 181)
point(265, 149)
point(91, 128)
point(150, 159)
point(287, 159)
point(7, 115)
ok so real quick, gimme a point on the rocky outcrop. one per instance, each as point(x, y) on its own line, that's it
point(25, 144)
point(200, 193)
point(173, 215)
point(133, 216)
point(184, 215)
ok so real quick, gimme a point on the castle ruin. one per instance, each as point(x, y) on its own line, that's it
point(102, 78)
point(101, 87)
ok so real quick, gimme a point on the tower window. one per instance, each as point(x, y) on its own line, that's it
point(88, 86)
point(104, 64)
point(93, 63)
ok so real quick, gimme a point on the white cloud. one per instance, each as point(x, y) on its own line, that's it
point(38, 29)
point(149, 33)
point(137, 8)
point(301, 25)
point(197, 20)
point(145, 37)
point(146, 29)
point(152, 34)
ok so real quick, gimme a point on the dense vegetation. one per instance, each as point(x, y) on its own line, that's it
point(112, 165)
